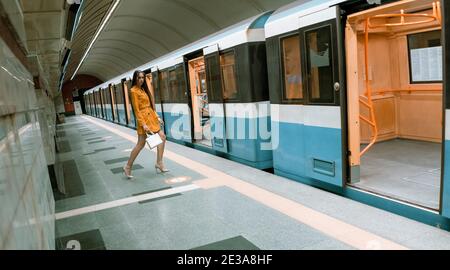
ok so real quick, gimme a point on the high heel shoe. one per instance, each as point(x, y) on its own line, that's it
point(127, 173)
point(162, 170)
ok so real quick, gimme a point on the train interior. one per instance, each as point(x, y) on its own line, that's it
point(199, 96)
point(395, 106)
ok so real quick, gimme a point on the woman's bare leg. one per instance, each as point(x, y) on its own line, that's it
point(160, 150)
point(136, 150)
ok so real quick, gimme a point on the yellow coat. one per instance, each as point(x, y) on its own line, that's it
point(143, 111)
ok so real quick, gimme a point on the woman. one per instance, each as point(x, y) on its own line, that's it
point(147, 122)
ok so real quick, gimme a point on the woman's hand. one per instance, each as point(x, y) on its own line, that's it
point(160, 120)
point(147, 130)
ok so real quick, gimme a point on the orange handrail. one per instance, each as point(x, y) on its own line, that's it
point(372, 121)
point(436, 16)
point(384, 91)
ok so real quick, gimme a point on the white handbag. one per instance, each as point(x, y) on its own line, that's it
point(153, 140)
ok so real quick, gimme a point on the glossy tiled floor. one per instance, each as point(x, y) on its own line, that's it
point(206, 202)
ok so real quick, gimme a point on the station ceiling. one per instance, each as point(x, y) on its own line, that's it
point(142, 30)
point(43, 37)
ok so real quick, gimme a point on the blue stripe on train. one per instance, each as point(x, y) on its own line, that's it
point(109, 115)
point(122, 116)
point(302, 151)
point(247, 148)
point(175, 125)
point(253, 145)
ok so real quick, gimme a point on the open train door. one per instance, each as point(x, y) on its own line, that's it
point(215, 96)
point(324, 118)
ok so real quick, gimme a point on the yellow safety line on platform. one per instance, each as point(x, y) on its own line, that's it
point(337, 229)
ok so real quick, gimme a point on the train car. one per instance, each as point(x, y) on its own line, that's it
point(213, 94)
point(357, 105)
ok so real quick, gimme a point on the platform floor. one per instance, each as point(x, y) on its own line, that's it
point(404, 169)
point(207, 202)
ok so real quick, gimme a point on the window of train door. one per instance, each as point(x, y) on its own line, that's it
point(158, 101)
point(324, 135)
point(102, 102)
point(215, 99)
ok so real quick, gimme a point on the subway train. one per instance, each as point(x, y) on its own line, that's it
point(346, 96)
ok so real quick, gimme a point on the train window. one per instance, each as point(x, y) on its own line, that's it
point(319, 65)
point(173, 86)
point(425, 57)
point(292, 71)
point(227, 67)
point(181, 83)
point(119, 98)
point(163, 85)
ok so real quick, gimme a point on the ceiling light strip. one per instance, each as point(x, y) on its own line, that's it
point(111, 11)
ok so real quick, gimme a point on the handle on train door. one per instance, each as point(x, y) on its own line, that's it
point(337, 87)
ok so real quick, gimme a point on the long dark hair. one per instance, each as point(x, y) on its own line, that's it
point(145, 86)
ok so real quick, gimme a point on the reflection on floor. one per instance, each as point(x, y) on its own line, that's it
point(403, 169)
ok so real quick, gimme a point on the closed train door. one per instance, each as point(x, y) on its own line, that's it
point(323, 121)
point(216, 104)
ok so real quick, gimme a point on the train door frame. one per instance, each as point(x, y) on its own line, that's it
point(340, 35)
point(149, 81)
point(444, 208)
point(195, 56)
point(107, 102)
point(117, 119)
point(94, 103)
point(125, 103)
point(113, 103)
point(102, 103)
point(186, 88)
point(98, 103)
point(156, 87)
point(128, 109)
point(178, 95)
point(90, 103)
point(216, 99)
point(445, 95)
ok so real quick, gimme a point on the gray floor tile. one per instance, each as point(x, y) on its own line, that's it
point(78, 224)
point(110, 217)
point(120, 237)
